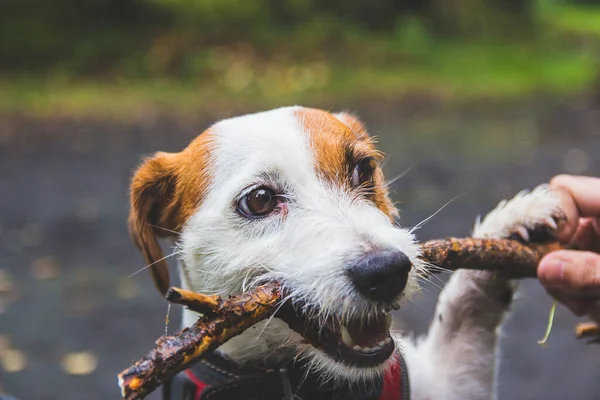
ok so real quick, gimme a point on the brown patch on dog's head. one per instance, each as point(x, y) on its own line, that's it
point(340, 141)
point(165, 192)
point(352, 122)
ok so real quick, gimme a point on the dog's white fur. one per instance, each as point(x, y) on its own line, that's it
point(309, 249)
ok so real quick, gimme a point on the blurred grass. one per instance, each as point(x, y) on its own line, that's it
point(565, 18)
point(560, 60)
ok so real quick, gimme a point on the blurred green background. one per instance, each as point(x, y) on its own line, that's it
point(472, 100)
point(69, 56)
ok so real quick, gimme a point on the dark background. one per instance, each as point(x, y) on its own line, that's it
point(478, 98)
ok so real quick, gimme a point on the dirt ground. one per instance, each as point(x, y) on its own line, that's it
point(65, 254)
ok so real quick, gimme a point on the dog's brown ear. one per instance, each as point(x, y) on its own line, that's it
point(153, 212)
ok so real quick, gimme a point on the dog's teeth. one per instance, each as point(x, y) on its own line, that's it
point(346, 338)
point(368, 350)
point(388, 321)
point(348, 341)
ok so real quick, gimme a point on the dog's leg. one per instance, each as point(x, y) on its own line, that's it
point(457, 359)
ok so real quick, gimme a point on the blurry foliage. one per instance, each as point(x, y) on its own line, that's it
point(161, 51)
point(582, 20)
point(135, 37)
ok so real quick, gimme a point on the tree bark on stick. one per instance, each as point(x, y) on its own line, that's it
point(173, 354)
point(509, 258)
point(201, 303)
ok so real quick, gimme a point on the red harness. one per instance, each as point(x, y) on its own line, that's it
point(200, 386)
point(395, 383)
point(392, 382)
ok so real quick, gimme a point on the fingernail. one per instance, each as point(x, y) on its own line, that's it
point(552, 272)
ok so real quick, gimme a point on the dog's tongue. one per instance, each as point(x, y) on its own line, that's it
point(368, 334)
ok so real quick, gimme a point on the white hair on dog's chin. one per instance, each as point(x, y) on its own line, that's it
point(327, 369)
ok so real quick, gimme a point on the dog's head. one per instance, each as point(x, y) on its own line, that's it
point(295, 195)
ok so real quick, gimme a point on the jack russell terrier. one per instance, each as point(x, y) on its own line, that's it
point(297, 195)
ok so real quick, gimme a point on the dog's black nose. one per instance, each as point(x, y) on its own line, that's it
point(381, 275)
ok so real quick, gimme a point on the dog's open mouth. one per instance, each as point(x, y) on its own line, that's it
point(360, 343)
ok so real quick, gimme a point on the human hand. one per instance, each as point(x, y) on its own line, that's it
point(573, 276)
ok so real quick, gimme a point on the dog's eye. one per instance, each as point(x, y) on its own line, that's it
point(363, 172)
point(258, 203)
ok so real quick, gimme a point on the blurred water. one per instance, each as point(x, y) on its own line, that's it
point(65, 253)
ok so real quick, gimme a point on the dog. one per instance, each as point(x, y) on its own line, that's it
point(297, 195)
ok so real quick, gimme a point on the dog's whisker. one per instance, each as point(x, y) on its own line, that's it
point(427, 276)
point(437, 273)
point(282, 303)
point(432, 269)
point(205, 271)
point(155, 262)
point(164, 229)
point(428, 267)
point(399, 176)
point(256, 279)
point(420, 224)
point(438, 279)
point(308, 369)
point(432, 283)
point(385, 161)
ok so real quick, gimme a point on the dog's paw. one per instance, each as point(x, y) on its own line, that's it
point(529, 216)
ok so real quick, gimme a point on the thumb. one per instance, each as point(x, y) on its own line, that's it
point(574, 272)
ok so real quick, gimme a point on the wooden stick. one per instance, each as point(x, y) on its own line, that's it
point(229, 318)
point(201, 303)
point(173, 354)
point(510, 258)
